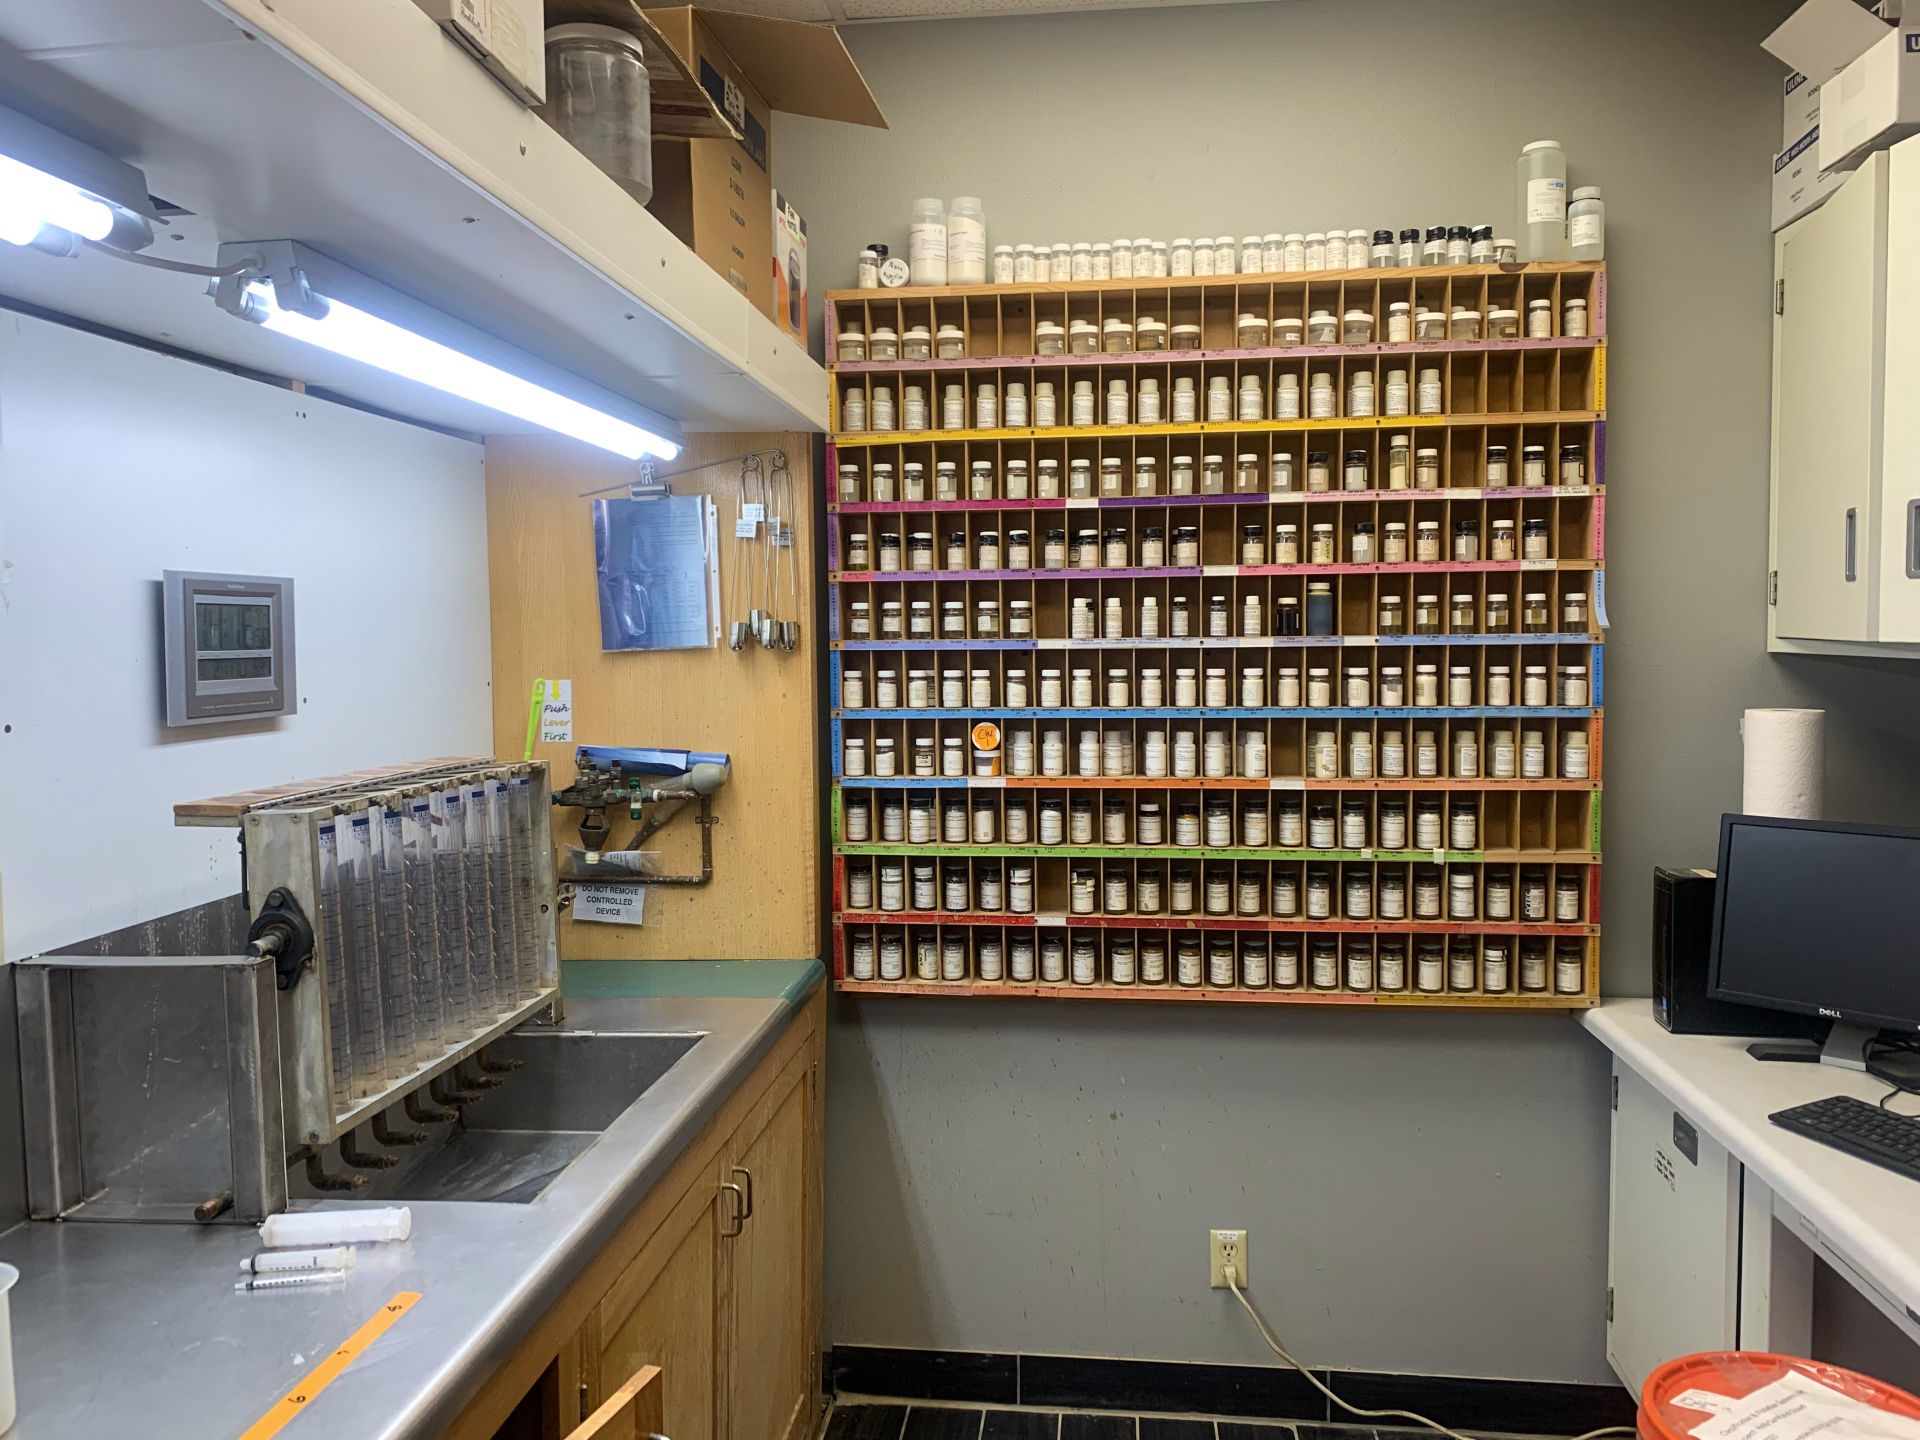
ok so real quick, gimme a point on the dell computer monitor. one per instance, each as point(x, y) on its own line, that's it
point(1818, 918)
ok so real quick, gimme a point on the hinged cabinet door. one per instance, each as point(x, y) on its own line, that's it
point(1673, 1235)
point(772, 1351)
point(1899, 548)
point(663, 1310)
point(1828, 334)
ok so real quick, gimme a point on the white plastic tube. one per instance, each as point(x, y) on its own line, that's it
point(335, 1227)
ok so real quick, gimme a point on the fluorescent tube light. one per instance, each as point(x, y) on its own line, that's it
point(373, 341)
point(30, 198)
point(56, 192)
point(294, 291)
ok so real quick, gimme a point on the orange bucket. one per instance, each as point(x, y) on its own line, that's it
point(1735, 1374)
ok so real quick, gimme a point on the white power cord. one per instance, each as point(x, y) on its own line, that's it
point(1231, 1274)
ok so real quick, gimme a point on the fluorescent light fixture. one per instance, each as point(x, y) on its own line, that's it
point(300, 293)
point(56, 192)
point(30, 198)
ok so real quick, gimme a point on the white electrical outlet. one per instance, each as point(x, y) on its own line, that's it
point(1228, 1247)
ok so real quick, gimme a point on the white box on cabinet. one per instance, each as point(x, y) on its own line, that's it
point(1799, 185)
point(1874, 102)
point(507, 37)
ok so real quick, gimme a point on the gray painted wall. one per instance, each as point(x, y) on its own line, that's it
point(1426, 1193)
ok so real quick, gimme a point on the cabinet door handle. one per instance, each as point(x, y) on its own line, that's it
point(739, 1211)
point(742, 1170)
point(1913, 539)
point(1853, 529)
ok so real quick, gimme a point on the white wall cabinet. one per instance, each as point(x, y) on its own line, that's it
point(1845, 551)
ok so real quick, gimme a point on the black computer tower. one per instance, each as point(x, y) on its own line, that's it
point(1682, 947)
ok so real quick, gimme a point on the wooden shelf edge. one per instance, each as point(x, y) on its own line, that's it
point(1221, 282)
point(1411, 349)
point(866, 439)
point(1396, 1001)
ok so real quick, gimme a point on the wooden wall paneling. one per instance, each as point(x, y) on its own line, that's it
point(758, 706)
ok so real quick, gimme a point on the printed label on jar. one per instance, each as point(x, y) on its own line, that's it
point(1546, 201)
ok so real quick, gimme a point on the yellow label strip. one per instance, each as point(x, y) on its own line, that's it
point(328, 1370)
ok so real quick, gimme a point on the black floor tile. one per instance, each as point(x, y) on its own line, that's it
point(1020, 1425)
point(930, 1423)
point(866, 1422)
point(968, 1375)
point(1097, 1427)
point(1240, 1430)
point(1515, 1407)
point(1263, 1391)
point(1153, 1427)
point(1334, 1432)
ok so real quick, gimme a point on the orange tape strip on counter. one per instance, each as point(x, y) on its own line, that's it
point(329, 1369)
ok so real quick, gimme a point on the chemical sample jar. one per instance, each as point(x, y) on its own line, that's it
point(1185, 337)
point(1049, 338)
point(1466, 540)
point(1116, 337)
point(1573, 686)
point(1083, 337)
point(1535, 616)
point(1428, 398)
point(1392, 618)
point(950, 343)
point(1150, 334)
point(1573, 465)
point(1503, 324)
point(1542, 201)
point(1430, 325)
point(1320, 616)
point(1322, 401)
point(1286, 548)
point(1575, 755)
point(1363, 550)
point(1539, 319)
point(1360, 394)
point(1322, 328)
point(1251, 398)
point(1286, 398)
point(1464, 325)
point(1573, 318)
point(1103, 261)
point(1250, 331)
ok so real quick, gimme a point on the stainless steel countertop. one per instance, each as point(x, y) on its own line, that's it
point(126, 1329)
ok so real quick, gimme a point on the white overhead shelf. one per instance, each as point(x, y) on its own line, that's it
point(357, 127)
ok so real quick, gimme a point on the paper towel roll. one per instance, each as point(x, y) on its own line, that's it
point(1786, 763)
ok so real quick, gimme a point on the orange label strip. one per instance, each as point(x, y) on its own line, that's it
point(329, 1369)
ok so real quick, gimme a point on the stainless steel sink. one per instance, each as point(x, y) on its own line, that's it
point(515, 1141)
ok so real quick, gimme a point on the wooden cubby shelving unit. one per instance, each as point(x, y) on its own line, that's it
point(1522, 392)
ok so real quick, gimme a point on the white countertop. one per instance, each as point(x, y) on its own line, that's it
point(1868, 1214)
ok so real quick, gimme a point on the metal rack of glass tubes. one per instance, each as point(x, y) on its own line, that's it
point(1243, 709)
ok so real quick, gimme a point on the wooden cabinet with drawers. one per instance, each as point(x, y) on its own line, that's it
point(714, 1278)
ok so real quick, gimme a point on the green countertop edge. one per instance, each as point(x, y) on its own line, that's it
point(789, 980)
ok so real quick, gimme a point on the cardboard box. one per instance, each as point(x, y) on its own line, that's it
point(1800, 186)
point(1872, 103)
point(789, 269)
point(508, 37)
point(1802, 109)
point(717, 194)
point(1867, 69)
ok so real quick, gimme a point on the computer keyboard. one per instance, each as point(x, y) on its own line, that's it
point(1859, 1129)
